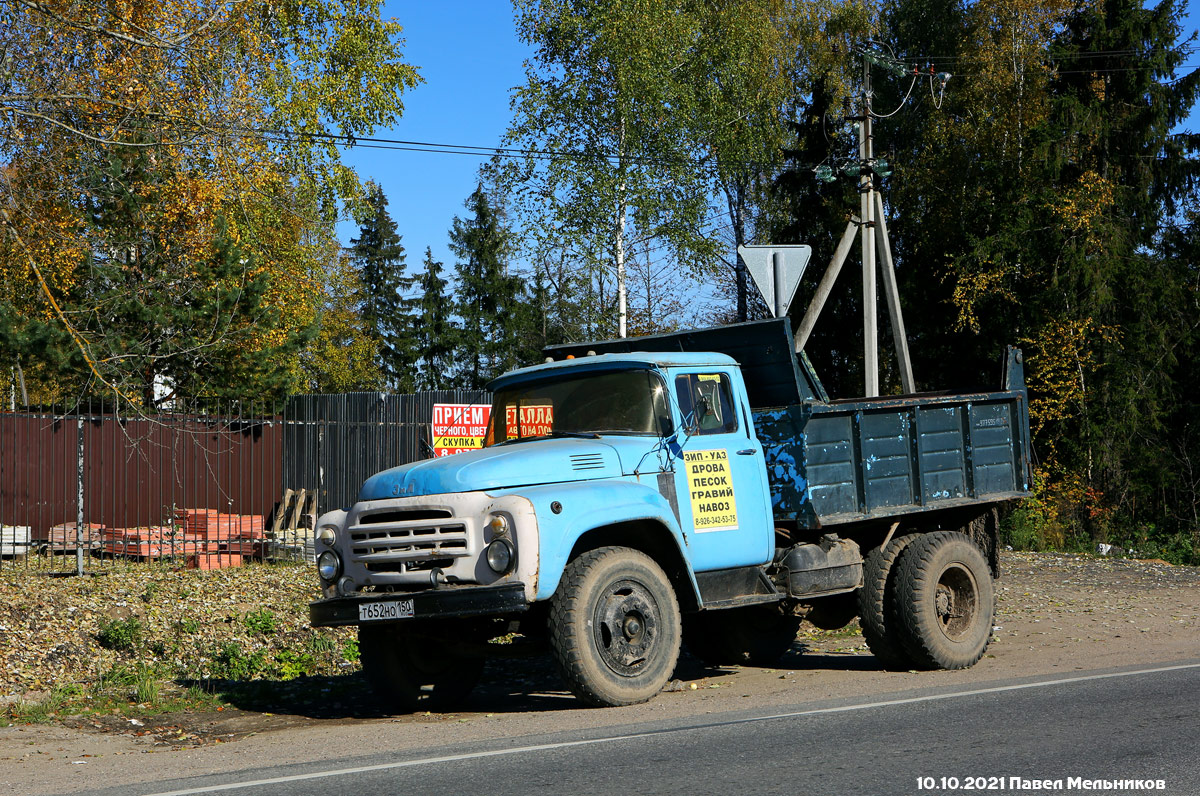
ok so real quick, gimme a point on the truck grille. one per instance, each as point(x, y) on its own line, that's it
point(407, 541)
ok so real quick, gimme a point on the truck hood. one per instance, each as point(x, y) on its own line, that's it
point(500, 467)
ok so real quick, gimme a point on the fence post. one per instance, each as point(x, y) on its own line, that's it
point(79, 495)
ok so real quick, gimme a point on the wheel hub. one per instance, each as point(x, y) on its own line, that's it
point(945, 601)
point(633, 627)
point(625, 625)
point(955, 601)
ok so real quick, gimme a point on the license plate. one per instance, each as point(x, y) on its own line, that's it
point(385, 609)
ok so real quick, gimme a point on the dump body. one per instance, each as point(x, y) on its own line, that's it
point(851, 461)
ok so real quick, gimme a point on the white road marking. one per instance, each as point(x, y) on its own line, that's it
point(425, 761)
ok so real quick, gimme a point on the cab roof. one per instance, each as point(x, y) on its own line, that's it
point(632, 360)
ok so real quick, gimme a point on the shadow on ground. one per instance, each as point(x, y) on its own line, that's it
point(519, 685)
point(513, 685)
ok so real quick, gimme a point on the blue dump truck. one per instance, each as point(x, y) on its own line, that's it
point(695, 489)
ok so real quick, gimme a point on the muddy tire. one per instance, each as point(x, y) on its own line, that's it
point(876, 601)
point(945, 601)
point(614, 627)
point(757, 635)
point(411, 672)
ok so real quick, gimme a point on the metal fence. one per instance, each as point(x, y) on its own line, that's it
point(198, 487)
point(332, 443)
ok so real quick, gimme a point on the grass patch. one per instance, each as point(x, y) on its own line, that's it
point(58, 700)
point(262, 622)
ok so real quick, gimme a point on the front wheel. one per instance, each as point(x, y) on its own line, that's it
point(614, 627)
point(945, 601)
point(409, 671)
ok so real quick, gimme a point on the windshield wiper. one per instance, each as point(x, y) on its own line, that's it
point(574, 434)
point(552, 435)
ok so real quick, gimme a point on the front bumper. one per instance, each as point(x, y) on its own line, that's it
point(446, 602)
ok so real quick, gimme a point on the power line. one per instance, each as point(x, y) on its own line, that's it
point(1186, 50)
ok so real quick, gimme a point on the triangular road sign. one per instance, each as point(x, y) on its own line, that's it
point(760, 263)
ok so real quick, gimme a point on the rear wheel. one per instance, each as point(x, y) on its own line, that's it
point(757, 635)
point(876, 600)
point(411, 671)
point(945, 601)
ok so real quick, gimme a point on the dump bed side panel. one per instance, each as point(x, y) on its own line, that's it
point(848, 462)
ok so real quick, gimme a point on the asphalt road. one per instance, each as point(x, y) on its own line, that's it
point(1138, 723)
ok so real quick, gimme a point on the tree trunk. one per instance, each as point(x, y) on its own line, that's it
point(619, 242)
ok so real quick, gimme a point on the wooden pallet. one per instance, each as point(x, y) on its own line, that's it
point(292, 526)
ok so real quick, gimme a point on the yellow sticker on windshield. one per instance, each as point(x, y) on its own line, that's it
point(709, 377)
point(710, 486)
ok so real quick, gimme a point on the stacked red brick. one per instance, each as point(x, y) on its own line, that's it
point(207, 538)
point(149, 541)
point(63, 536)
point(228, 538)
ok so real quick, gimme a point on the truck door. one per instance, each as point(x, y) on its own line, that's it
point(721, 480)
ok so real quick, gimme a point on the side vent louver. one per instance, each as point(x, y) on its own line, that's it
point(587, 461)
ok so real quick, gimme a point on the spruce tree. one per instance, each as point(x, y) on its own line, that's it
point(185, 323)
point(487, 294)
point(434, 333)
point(380, 259)
point(1121, 178)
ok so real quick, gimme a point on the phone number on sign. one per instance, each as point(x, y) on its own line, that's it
point(1024, 784)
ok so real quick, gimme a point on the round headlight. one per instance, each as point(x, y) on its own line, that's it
point(500, 556)
point(499, 525)
point(327, 534)
point(328, 565)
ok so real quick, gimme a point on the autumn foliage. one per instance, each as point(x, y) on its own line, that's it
point(169, 182)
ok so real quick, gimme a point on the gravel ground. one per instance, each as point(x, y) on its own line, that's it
point(1055, 612)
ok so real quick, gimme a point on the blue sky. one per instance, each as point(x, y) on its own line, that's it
point(470, 58)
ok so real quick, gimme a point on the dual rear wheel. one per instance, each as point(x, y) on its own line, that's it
point(927, 602)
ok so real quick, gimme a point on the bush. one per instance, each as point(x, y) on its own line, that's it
point(289, 664)
point(120, 635)
point(1022, 530)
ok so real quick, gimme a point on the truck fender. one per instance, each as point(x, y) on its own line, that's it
point(593, 506)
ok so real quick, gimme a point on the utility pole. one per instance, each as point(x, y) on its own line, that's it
point(866, 190)
point(873, 238)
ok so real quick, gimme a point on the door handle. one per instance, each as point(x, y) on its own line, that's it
point(747, 452)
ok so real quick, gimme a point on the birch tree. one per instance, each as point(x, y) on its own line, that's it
point(601, 120)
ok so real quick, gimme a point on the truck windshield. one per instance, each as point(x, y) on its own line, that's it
point(625, 402)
